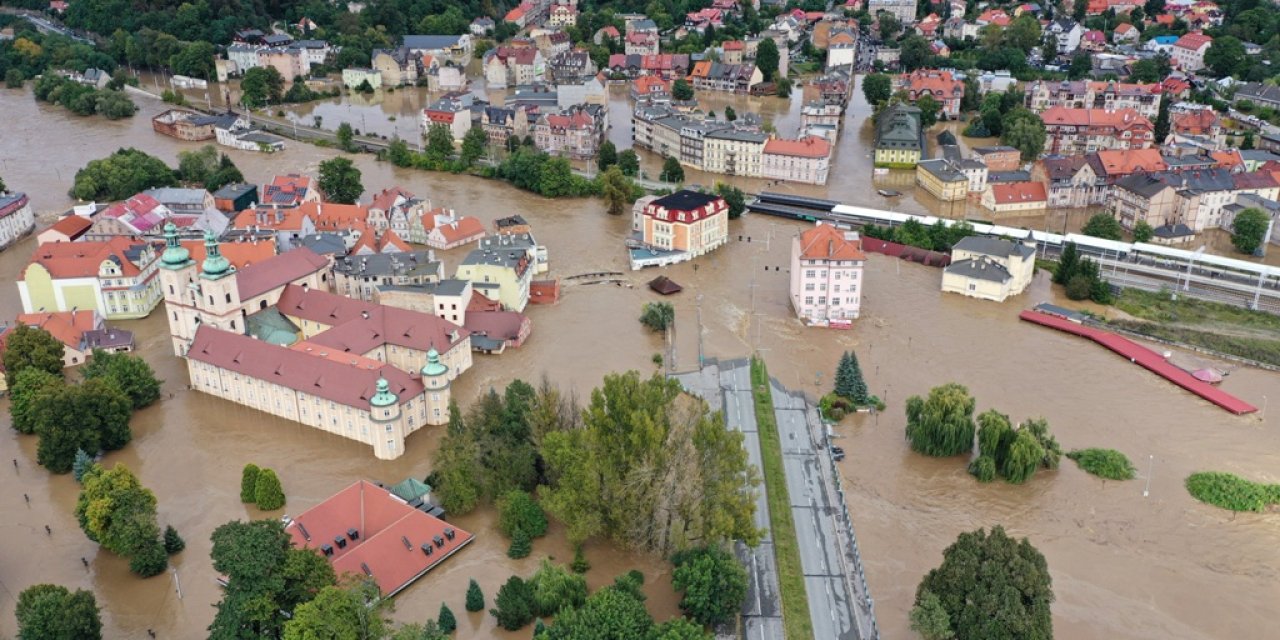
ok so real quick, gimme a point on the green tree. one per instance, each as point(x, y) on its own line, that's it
point(608, 155)
point(446, 620)
point(249, 483)
point(426, 631)
point(197, 166)
point(930, 619)
point(638, 448)
point(340, 181)
point(888, 25)
point(616, 190)
point(1081, 66)
point(1103, 225)
point(767, 59)
point(475, 597)
point(173, 543)
point(340, 612)
point(398, 153)
point(658, 315)
point(734, 198)
point(149, 560)
point(514, 606)
point(929, 109)
point(783, 88)
point(92, 416)
point(121, 175)
point(130, 373)
point(25, 393)
point(113, 105)
point(439, 145)
point(849, 382)
point(266, 579)
point(556, 589)
point(521, 545)
point(1108, 464)
point(1142, 231)
point(942, 424)
point(730, 115)
point(474, 144)
point(629, 162)
point(52, 612)
point(1248, 231)
point(195, 60)
point(267, 491)
point(117, 512)
point(609, 614)
point(1225, 56)
point(1024, 131)
point(712, 582)
point(671, 171)
point(992, 587)
point(261, 86)
point(13, 79)
point(1068, 262)
point(1023, 33)
point(557, 178)
point(346, 138)
point(682, 90)
point(31, 347)
point(517, 511)
point(3, 188)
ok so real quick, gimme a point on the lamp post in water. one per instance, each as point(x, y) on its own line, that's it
point(1150, 469)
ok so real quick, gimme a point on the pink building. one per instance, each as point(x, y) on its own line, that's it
point(291, 63)
point(805, 160)
point(826, 276)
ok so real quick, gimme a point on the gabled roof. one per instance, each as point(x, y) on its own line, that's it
point(807, 147)
point(1126, 161)
point(338, 377)
point(1063, 168)
point(72, 226)
point(994, 247)
point(84, 259)
point(68, 327)
point(390, 536)
point(982, 268)
point(461, 229)
point(1018, 192)
point(359, 327)
point(239, 254)
point(278, 271)
point(1193, 41)
point(431, 42)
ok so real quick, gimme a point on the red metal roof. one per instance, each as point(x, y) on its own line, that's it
point(278, 271)
point(359, 327)
point(390, 535)
point(1146, 358)
point(807, 147)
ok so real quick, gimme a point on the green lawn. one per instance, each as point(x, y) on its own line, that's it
point(1156, 306)
point(795, 602)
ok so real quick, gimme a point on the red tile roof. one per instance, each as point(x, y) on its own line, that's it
point(1197, 122)
point(330, 216)
point(938, 83)
point(360, 327)
point(349, 382)
point(1193, 41)
point(1122, 162)
point(391, 535)
point(279, 219)
point(259, 278)
point(1015, 192)
point(461, 230)
point(807, 147)
point(239, 254)
point(1228, 159)
point(67, 326)
point(84, 259)
point(1114, 118)
point(1255, 180)
point(481, 302)
point(391, 242)
point(825, 242)
point(386, 198)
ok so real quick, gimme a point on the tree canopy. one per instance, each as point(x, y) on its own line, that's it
point(1248, 231)
point(941, 424)
point(121, 175)
point(338, 612)
point(117, 512)
point(92, 416)
point(712, 582)
point(52, 612)
point(767, 58)
point(992, 587)
point(340, 181)
point(29, 347)
point(1103, 225)
point(130, 373)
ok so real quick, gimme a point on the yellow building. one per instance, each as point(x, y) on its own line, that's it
point(943, 180)
point(1012, 197)
point(116, 278)
point(500, 273)
point(687, 221)
point(899, 137)
point(989, 268)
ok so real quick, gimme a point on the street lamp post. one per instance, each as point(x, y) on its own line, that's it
point(1150, 469)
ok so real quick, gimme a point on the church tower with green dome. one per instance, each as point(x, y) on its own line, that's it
point(388, 427)
point(177, 281)
point(435, 382)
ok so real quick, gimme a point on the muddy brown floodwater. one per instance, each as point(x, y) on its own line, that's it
point(1124, 566)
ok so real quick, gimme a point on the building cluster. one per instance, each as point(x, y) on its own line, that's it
point(569, 120)
point(251, 49)
point(739, 147)
point(227, 129)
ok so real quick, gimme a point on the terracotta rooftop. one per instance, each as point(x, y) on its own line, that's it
point(462, 229)
point(278, 271)
point(360, 327)
point(68, 327)
point(387, 198)
point(1113, 118)
point(1126, 161)
point(825, 242)
point(268, 217)
point(239, 254)
point(84, 259)
point(1193, 41)
point(391, 536)
point(349, 382)
point(329, 216)
point(72, 226)
point(1015, 192)
point(807, 147)
point(1227, 159)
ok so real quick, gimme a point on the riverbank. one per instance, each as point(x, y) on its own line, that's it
point(1211, 327)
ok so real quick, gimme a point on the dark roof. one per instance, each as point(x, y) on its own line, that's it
point(983, 268)
point(280, 270)
point(1172, 231)
point(1063, 168)
point(685, 200)
point(994, 247)
point(665, 286)
point(1008, 176)
point(1142, 184)
point(943, 169)
point(324, 244)
point(430, 42)
point(233, 191)
point(510, 221)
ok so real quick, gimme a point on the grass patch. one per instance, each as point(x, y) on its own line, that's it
point(797, 625)
point(1230, 491)
point(1104, 463)
point(1047, 265)
point(1253, 348)
point(1156, 306)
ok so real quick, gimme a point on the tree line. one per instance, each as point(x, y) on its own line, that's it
point(127, 172)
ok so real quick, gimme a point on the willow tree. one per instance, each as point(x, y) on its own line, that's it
point(941, 424)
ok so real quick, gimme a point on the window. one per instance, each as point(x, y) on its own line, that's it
point(808, 299)
point(228, 298)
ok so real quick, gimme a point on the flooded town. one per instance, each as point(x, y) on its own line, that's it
point(253, 311)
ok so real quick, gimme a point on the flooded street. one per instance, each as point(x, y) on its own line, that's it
point(1124, 566)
